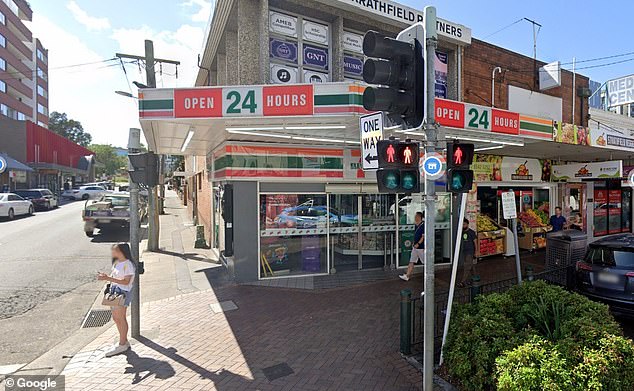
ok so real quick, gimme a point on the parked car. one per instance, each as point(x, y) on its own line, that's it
point(84, 192)
point(42, 199)
point(309, 216)
point(607, 272)
point(111, 210)
point(12, 205)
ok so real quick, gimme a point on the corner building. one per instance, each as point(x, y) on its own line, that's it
point(271, 135)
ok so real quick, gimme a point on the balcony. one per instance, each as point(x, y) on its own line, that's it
point(15, 21)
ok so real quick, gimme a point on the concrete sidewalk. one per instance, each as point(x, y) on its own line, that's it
point(215, 335)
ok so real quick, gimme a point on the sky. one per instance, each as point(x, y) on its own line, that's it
point(90, 31)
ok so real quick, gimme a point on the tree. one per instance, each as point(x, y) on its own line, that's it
point(69, 128)
point(109, 162)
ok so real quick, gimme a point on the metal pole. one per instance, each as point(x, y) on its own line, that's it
point(498, 69)
point(454, 272)
point(574, 61)
point(431, 135)
point(134, 144)
point(518, 267)
point(153, 212)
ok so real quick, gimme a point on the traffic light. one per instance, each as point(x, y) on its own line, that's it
point(144, 168)
point(398, 68)
point(459, 174)
point(398, 167)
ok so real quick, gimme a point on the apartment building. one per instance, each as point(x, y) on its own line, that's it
point(23, 66)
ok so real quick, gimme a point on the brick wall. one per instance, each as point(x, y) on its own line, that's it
point(203, 189)
point(479, 60)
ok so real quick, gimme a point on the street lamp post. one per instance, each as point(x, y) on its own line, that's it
point(496, 69)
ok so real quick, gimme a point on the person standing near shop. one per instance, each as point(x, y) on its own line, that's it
point(466, 259)
point(557, 220)
point(418, 248)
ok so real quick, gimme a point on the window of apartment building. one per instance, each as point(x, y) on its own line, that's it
point(12, 6)
point(41, 55)
point(41, 73)
point(3, 19)
point(41, 91)
point(3, 64)
point(299, 49)
point(42, 124)
point(4, 109)
point(41, 109)
point(3, 41)
point(3, 86)
point(21, 116)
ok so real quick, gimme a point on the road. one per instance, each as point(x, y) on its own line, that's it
point(48, 279)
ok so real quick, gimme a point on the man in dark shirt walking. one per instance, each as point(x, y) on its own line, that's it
point(418, 247)
point(467, 250)
point(557, 220)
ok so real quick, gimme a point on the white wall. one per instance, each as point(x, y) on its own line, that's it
point(534, 103)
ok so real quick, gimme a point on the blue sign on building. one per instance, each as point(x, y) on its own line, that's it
point(283, 50)
point(316, 57)
point(352, 65)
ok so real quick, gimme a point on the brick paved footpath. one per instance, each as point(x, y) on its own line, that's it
point(343, 339)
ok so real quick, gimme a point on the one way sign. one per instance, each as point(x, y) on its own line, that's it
point(371, 127)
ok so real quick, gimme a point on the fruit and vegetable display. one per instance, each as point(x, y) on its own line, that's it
point(485, 224)
point(533, 219)
point(540, 241)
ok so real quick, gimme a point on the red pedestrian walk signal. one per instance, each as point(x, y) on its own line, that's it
point(398, 167)
point(459, 174)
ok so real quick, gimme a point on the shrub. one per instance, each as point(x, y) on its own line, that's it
point(535, 329)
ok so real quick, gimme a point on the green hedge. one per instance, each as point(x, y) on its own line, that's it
point(537, 337)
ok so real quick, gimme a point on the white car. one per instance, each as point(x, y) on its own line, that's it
point(12, 205)
point(85, 192)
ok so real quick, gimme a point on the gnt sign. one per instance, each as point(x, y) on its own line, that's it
point(371, 127)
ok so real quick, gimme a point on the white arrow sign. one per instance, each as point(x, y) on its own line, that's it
point(371, 127)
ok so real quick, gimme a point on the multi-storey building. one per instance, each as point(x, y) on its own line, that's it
point(23, 66)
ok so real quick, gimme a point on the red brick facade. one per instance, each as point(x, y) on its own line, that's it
point(479, 60)
point(200, 185)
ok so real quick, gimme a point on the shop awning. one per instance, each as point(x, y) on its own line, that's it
point(15, 165)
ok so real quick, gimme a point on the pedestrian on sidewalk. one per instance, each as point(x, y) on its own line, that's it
point(121, 280)
point(418, 248)
point(466, 259)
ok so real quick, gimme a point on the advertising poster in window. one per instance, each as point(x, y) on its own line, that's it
point(353, 66)
point(353, 42)
point(315, 32)
point(626, 210)
point(282, 74)
point(315, 77)
point(283, 24)
point(276, 208)
point(614, 211)
point(440, 65)
point(316, 57)
point(600, 212)
point(283, 50)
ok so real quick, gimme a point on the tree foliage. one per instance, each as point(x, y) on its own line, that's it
point(109, 162)
point(69, 128)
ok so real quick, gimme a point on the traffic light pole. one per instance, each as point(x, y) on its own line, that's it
point(134, 143)
point(431, 134)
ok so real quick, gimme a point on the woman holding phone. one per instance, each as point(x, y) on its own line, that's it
point(121, 280)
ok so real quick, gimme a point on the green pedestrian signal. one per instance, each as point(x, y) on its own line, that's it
point(459, 180)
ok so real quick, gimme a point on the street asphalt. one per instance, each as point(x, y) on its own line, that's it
point(48, 279)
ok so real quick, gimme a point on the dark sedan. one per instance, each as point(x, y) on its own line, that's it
point(42, 199)
point(607, 272)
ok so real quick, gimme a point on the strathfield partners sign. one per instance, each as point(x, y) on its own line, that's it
point(453, 32)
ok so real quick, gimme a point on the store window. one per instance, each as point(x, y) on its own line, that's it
point(612, 208)
point(293, 234)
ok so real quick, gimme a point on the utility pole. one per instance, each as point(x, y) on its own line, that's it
point(535, 31)
point(153, 203)
point(431, 135)
point(134, 146)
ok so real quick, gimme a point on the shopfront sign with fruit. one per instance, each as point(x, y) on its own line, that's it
point(492, 168)
point(579, 171)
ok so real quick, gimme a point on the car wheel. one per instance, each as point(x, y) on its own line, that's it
point(11, 214)
point(48, 206)
point(85, 197)
point(30, 210)
point(89, 233)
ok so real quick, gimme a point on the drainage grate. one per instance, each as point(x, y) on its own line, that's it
point(97, 318)
point(277, 371)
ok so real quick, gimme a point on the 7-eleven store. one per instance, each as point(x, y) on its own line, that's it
point(289, 197)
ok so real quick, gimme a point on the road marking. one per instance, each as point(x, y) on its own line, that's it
point(9, 369)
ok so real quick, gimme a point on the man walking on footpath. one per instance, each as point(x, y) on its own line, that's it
point(418, 248)
point(467, 251)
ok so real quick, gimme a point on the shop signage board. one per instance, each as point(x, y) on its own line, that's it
point(3, 165)
point(509, 211)
point(371, 128)
point(244, 101)
point(469, 116)
point(315, 77)
point(621, 91)
point(579, 171)
point(316, 56)
point(282, 74)
point(315, 32)
point(280, 49)
point(282, 24)
point(494, 168)
point(353, 65)
point(353, 42)
point(449, 31)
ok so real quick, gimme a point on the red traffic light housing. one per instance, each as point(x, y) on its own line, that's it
point(459, 174)
point(398, 167)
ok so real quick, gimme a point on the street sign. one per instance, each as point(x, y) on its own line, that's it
point(433, 166)
point(3, 165)
point(509, 211)
point(371, 127)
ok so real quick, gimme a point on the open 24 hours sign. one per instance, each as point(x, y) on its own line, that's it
point(469, 116)
point(243, 101)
